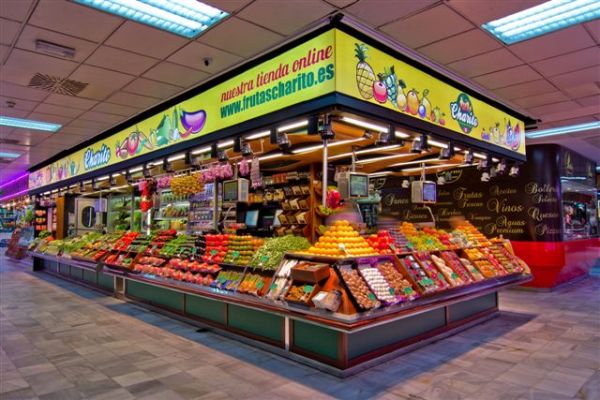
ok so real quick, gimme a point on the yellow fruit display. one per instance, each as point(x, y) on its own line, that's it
point(341, 235)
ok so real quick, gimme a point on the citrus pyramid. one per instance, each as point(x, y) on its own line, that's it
point(341, 240)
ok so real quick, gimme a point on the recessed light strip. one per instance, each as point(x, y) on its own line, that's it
point(562, 130)
point(29, 124)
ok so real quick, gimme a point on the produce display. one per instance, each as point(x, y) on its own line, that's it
point(281, 279)
point(241, 248)
point(358, 288)
point(473, 235)
point(466, 273)
point(378, 284)
point(216, 247)
point(341, 240)
point(401, 286)
point(451, 276)
point(269, 255)
point(438, 277)
point(481, 262)
point(424, 283)
point(228, 280)
point(382, 242)
point(253, 284)
point(185, 185)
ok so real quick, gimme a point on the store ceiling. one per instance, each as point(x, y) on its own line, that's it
point(129, 67)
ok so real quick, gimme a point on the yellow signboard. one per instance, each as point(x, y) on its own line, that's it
point(302, 73)
point(369, 74)
point(332, 61)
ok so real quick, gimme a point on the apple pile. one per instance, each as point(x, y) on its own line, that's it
point(382, 242)
point(125, 241)
point(216, 248)
point(171, 273)
point(193, 266)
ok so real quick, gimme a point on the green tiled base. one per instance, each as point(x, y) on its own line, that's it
point(90, 277)
point(255, 322)
point(76, 273)
point(64, 269)
point(211, 310)
point(155, 295)
point(471, 307)
point(106, 281)
point(316, 339)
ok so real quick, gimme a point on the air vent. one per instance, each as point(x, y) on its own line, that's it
point(55, 84)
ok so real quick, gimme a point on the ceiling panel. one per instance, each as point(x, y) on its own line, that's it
point(593, 27)
point(453, 48)
point(13, 112)
point(101, 117)
point(28, 137)
point(20, 92)
point(532, 88)
point(120, 60)
point(147, 87)
point(56, 119)
point(569, 62)
point(72, 130)
point(101, 81)
point(74, 19)
point(554, 108)
point(91, 126)
point(116, 109)
point(19, 104)
point(58, 110)
point(22, 65)
point(228, 5)
point(8, 30)
point(485, 63)
point(590, 101)
point(482, 11)
point(507, 77)
point(295, 15)
point(571, 113)
point(83, 48)
point(425, 27)
point(70, 101)
point(15, 9)
point(193, 54)
point(133, 100)
point(4, 50)
point(380, 12)
point(143, 39)
point(175, 74)
point(571, 79)
point(553, 44)
point(582, 90)
point(541, 99)
point(341, 3)
point(240, 37)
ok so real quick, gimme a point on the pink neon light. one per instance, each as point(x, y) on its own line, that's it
point(14, 180)
point(10, 196)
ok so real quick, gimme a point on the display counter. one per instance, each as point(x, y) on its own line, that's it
point(341, 341)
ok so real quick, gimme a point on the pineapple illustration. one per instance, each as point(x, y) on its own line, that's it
point(365, 77)
point(401, 99)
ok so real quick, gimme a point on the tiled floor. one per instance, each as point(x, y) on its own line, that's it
point(61, 341)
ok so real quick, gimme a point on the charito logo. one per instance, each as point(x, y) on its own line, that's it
point(462, 111)
point(93, 159)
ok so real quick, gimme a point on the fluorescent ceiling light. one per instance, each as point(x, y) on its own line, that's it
point(365, 151)
point(374, 127)
point(258, 135)
point(293, 125)
point(376, 159)
point(430, 167)
point(269, 156)
point(102, 178)
point(228, 143)
point(320, 146)
point(176, 157)
point(440, 144)
point(563, 129)
point(29, 124)
point(542, 19)
point(7, 154)
point(156, 163)
point(136, 169)
point(416, 162)
point(187, 18)
point(201, 150)
point(382, 173)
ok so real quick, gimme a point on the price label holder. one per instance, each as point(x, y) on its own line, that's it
point(308, 289)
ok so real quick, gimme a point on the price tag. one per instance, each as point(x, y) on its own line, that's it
point(454, 276)
point(235, 254)
point(214, 252)
point(372, 297)
point(260, 285)
point(264, 259)
point(440, 276)
point(273, 286)
point(392, 291)
point(392, 247)
point(308, 289)
point(408, 291)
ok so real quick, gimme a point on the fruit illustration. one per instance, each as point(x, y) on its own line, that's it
point(464, 104)
point(365, 77)
point(496, 135)
point(422, 111)
point(192, 121)
point(412, 102)
point(133, 142)
point(485, 135)
point(516, 143)
point(401, 100)
point(434, 116)
point(442, 121)
point(389, 79)
point(426, 103)
point(380, 92)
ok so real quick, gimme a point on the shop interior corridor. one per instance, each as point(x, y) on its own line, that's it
point(63, 341)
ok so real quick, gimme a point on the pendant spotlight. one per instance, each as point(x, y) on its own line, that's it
point(469, 157)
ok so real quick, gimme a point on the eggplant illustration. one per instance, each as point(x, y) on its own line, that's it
point(193, 121)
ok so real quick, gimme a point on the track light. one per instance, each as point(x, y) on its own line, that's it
point(447, 152)
point(283, 141)
point(81, 187)
point(313, 125)
point(387, 137)
point(273, 135)
point(405, 184)
point(112, 181)
point(514, 171)
point(416, 146)
point(246, 149)
point(424, 142)
point(94, 184)
point(146, 171)
point(501, 167)
point(485, 176)
point(327, 132)
point(166, 166)
point(188, 159)
point(441, 180)
point(214, 151)
point(128, 177)
point(237, 144)
point(469, 157)
point(223, 156)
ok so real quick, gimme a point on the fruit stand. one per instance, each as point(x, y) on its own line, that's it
point(260, 207)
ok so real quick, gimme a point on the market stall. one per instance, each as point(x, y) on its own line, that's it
point(259, 204)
